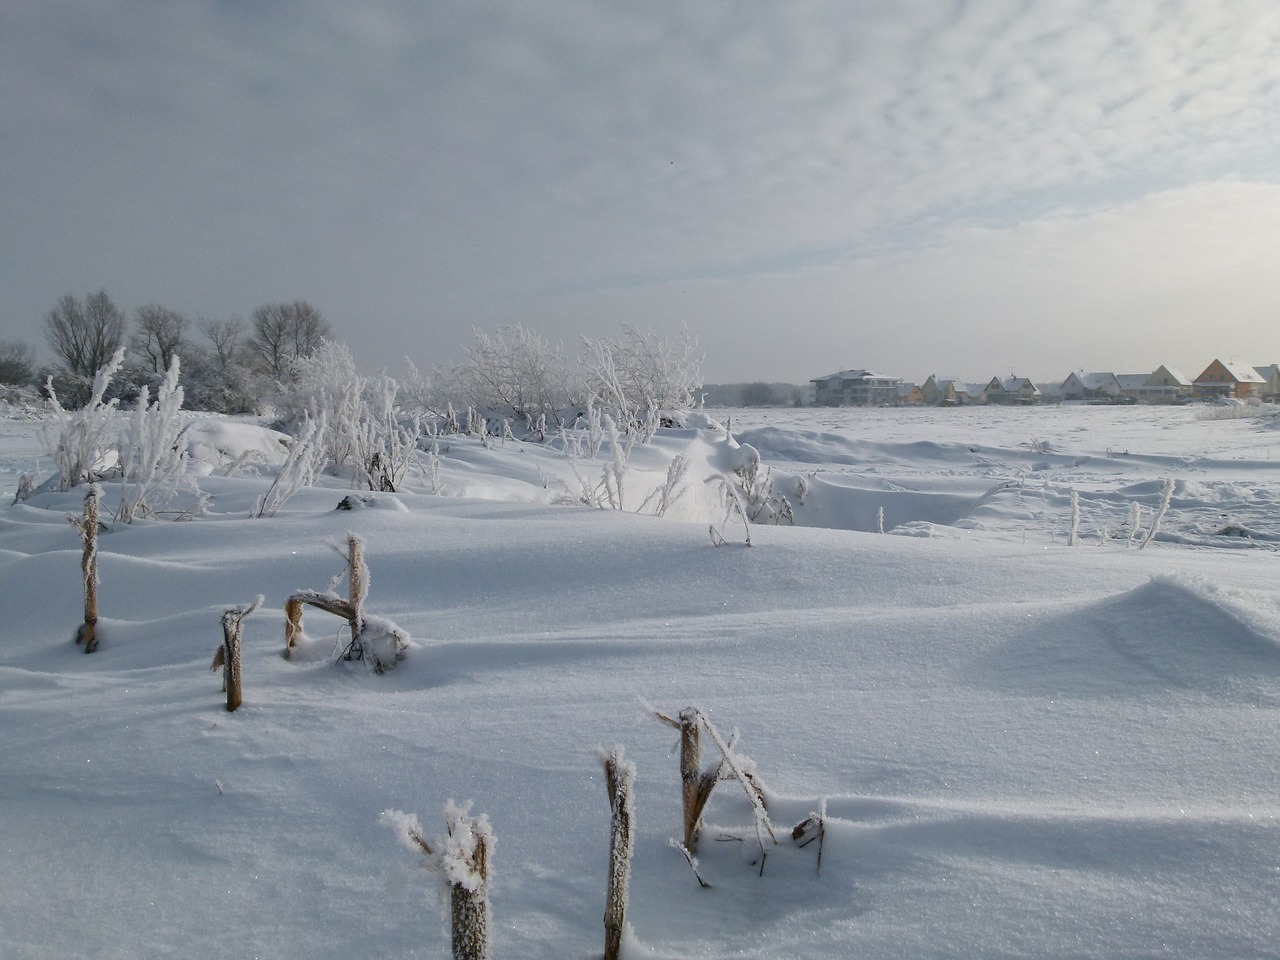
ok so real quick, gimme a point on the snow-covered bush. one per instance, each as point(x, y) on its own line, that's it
point(327, 389)
point(80, 441)
point(640, 373)
point(152, 462)
point(386, 442)
point(516, 373)
point(301, 467)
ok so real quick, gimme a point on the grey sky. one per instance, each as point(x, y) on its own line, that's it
point(978, 187)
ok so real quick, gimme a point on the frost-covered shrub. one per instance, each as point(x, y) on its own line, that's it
point(80, 440)
point(153, 464)
point(640, 373)
point(516, 373)
point(386, 441)
point(301, 467)
point(327, 389)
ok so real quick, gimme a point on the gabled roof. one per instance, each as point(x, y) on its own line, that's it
point(1268, 371)
point(1093, 381)
point(1016, 385)
point(1175, 374)
point(1238, 372)
point(1132, 381)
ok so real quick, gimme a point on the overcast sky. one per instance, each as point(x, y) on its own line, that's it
point(915, 186)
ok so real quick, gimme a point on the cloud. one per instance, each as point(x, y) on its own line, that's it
point(439, 164)
point(1178, 277)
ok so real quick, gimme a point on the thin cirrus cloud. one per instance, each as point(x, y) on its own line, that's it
point(414, 168)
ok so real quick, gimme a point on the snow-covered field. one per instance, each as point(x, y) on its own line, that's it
point(1025, 748)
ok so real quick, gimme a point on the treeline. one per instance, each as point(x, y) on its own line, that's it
point(754, 394)
point(227, 365)
point(285, 357)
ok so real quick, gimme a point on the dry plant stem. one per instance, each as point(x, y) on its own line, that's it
point(695, 785)
point(690, 761)
point(292, 624)
point(231, 624)
point(469, 910)
point(323, 601)
point(88, 530)
point(619, 780)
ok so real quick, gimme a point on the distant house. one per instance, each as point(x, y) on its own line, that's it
point(1166, 385)
point(855, 388)
point(1131, 384)
point(1270, 389)
point(910, 394)
point(1090, 386)
point(1228, 379)
point(944, 391)
point(1011, 390)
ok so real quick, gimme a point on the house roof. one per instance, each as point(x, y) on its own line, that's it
point(1016, 384)
point(1175, 374)
point(856, 375)
point(1132, 381)
point(1238, 372)
point(1093, 381)
point(1268, 371)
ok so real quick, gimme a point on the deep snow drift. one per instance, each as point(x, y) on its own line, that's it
point(1025, 748)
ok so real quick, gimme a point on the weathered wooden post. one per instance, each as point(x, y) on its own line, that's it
point(88, 530)
point(619, 780)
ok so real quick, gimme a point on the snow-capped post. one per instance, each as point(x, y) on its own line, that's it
point(233, 619)
point(880, 520)
point(87, 527)
point(1073, 535)
point(619, 778)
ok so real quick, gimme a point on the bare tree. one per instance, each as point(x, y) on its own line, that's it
point(223, 337)
point(84, 336)
point(282, 332)
point(158, 338)
point(17, 362)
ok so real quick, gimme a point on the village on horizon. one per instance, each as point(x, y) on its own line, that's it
point(1220, 379)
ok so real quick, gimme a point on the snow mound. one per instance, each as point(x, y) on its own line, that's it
point(216, 445)
point(1174, 632)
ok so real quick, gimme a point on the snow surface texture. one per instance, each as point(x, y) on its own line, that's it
point(1025, 749)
